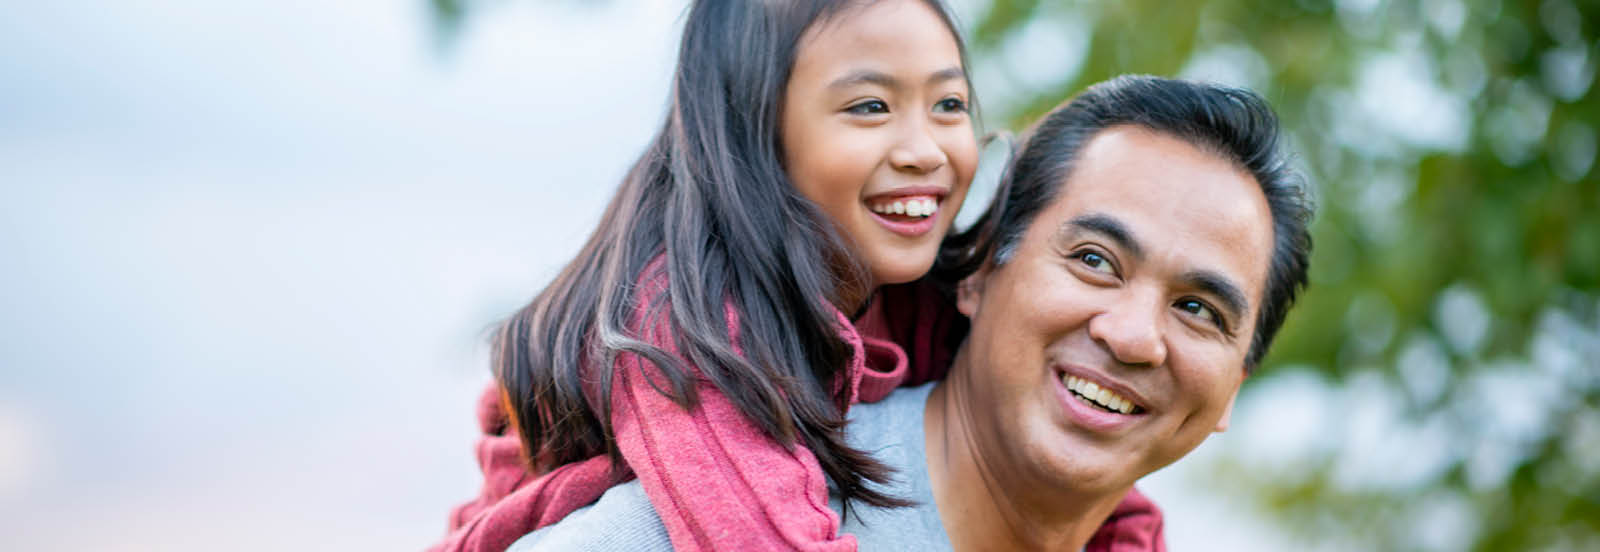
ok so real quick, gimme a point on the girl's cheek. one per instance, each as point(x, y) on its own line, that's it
point(961, 147)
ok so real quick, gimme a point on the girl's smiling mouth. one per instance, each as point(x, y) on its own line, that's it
point(909, 212)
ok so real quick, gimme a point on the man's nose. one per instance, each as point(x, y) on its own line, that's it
point(1131, 330)
point(917, 150)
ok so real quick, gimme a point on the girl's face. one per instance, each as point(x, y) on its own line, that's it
point(876, 132)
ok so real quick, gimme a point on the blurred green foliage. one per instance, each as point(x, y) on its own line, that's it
point(1452, 146)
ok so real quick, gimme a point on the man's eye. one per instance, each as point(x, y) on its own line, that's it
point(1096, 262)
point(1202, 310)
point(870, 107)
point(950, 105)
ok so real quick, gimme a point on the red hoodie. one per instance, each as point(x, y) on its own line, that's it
point(717, 481)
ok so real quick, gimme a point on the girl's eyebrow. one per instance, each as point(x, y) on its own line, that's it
point(865, 76)
point(947, 74)
point(880, 78)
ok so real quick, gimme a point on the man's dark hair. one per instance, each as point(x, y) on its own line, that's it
point(1233, 123)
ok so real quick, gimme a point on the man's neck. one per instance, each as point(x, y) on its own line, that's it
point(984, 502)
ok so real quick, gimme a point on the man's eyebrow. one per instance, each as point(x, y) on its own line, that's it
point(1216, 284)
point(1105, 225)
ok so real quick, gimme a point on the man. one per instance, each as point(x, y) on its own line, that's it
point(1146, 244)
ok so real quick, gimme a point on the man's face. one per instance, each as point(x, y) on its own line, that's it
point(1143, 279)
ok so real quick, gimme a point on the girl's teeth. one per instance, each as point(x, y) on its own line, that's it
point(915, 207)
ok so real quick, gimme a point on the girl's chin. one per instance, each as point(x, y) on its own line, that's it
point(899, 271)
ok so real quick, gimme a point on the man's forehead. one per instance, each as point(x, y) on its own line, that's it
point(1184, 206)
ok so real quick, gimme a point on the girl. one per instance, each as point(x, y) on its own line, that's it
point(814, 151)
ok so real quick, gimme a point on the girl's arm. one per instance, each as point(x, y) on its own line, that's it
point(622, 519)
point(717, 481)
point(513, 501)
point(499, 456)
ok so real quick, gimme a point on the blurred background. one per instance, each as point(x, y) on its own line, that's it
point(251, 251)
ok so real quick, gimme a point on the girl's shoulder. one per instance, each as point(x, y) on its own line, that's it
point(920, 319)
point(651, 298)
point(652, 306)
point(653, 314)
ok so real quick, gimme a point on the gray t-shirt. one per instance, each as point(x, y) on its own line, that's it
point(890, 429)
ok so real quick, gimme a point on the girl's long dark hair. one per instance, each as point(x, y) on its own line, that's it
point(711, 197)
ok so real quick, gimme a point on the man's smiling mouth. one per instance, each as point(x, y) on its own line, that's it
point(1102, 398)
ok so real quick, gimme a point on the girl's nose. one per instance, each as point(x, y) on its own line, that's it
point(917, 151)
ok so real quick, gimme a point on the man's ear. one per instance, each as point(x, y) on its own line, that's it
point(1227, 411)
point(970, 292)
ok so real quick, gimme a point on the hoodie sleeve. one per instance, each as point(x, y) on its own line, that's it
point(499, 457)
point(919, 323)
point(513, 501)
point(1135, 526)
point(717, 480)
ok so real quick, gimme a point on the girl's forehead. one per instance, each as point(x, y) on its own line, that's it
point(887, 30)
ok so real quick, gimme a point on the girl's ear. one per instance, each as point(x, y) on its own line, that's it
point(969, 293)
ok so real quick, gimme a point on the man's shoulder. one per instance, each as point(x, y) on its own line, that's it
point(892, 422)
point(892, 432)
point(622, 519)
point(899, 406)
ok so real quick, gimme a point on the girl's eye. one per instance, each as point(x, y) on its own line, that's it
point(1201, 310)
point(1096, 262)
point(950, 105)
point(869, 107)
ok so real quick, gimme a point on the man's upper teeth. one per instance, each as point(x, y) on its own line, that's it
point(1100, 395)
point(915, 207)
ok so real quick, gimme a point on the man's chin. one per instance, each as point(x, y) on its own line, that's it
point(1086, 467)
